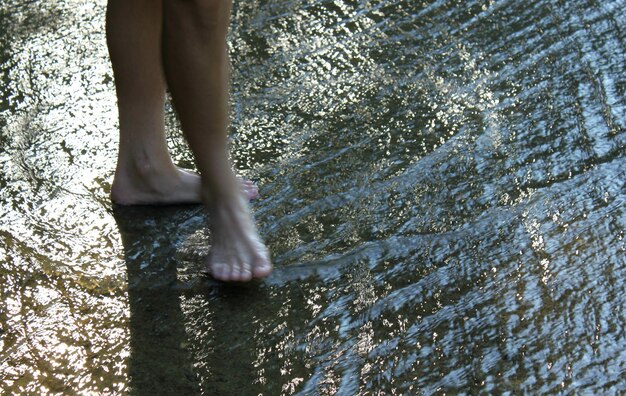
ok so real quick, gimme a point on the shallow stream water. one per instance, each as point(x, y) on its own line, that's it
point(443, 192)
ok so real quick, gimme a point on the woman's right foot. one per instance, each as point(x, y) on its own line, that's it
point(237, 253)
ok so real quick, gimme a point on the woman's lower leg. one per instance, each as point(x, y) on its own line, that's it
point(197, 72)
point(145, 173)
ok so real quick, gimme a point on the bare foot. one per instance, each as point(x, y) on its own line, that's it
point(174, 186)
point(237, 254)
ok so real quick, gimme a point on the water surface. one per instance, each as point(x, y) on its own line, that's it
point(443, 190)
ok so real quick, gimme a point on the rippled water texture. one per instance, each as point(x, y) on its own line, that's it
point(443, 192)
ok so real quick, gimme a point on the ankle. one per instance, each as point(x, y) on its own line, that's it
point(145, 166)
point(140, 175)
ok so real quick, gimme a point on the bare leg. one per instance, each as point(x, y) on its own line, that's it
point(145, 173)
point(197, 72)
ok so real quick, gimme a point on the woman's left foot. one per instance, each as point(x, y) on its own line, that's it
point(176, 186)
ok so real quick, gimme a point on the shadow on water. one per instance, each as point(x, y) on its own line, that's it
point(159, 361)
point(166, 355)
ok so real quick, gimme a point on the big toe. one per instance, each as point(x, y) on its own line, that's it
point(262, 267)
point(252, 192)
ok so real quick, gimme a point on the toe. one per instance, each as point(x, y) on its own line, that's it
point(250, 189)
point(262, 267)
point(246, 272)
point(236, 272)
point(252, 192)
point(261, 263)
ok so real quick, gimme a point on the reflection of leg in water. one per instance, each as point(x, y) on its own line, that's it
point(192, 37)
point(197, 72)
point(145, 172)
